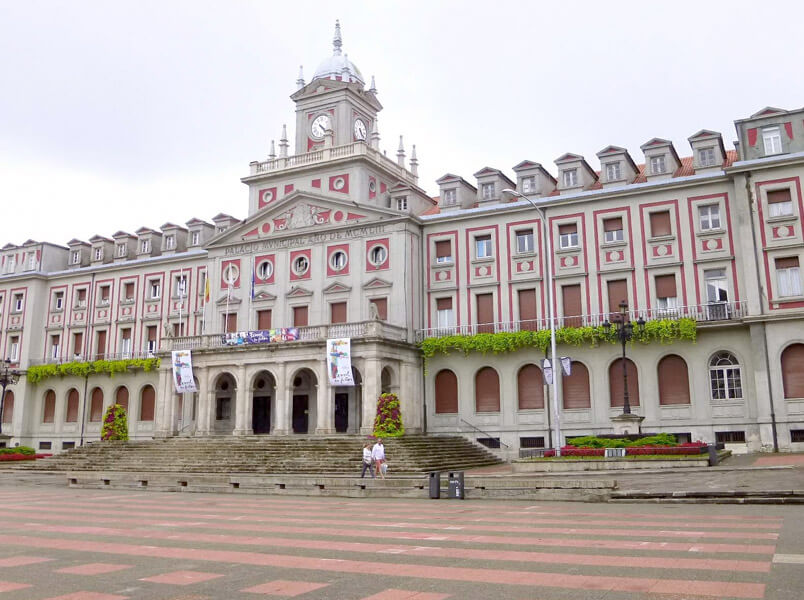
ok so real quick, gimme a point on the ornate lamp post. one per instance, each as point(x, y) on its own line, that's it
point(624, 333)
point(8, 376)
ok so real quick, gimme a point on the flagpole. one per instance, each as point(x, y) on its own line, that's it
point(181, 301)
point(251, 295)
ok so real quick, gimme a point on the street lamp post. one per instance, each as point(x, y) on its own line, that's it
point(556, 368)
point(8, 376)
point(624, 333)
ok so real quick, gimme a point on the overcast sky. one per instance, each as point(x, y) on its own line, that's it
point(115, 115)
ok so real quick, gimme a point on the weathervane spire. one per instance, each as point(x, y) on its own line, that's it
point(337, 41)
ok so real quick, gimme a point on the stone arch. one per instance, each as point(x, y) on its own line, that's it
point(8, 407)
point(304, 396)
point(225, 387)
point(530, 387)
point(446, 392)
point(793, 371)
point(263, 401)
point(147, 403)
point(575, 387)
point(616, 388)
point(389, 383)
point(49, 407)
point(673, 379)
point(96, 405)
point(487, 390)
point(725, 376)
point(73, 399)
point(121, 397)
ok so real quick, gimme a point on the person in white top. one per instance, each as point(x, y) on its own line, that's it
point(367, 461)
point(378, 454)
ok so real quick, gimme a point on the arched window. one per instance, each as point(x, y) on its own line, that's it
point(725, 378)
point(121, 397)
point(674, 381)
point(530, 387)
point(616, 383)
point(487, 390)
point(71, 415)
point(576, 387)
point(147, 401)
point(96, 405)
point(8, 407)
point(793, 371)
point(446, 392)
point(49, 414)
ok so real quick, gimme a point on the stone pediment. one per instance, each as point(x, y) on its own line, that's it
point(298, 292)
point(263, 297)
point(233, 300)
point(376, 283)
point(336, 288)
point(302, 212)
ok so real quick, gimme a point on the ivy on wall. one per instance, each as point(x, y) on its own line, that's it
point(664, 331)
point(39, 373)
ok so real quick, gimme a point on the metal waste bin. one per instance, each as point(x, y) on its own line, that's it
point(713, 457)
point(456, 485)
point(435, 484)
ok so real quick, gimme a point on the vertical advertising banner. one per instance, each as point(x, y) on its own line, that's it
point(339, 361)
point(183, 371)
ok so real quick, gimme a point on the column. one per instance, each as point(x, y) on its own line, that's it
point(282, 397)
point(371, 391)
point(410, 395)
point(164, 397)
point(243, 391)
point(206, 403)
point(325, 417)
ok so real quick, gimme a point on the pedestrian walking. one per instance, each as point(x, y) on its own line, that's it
point(378, 454)
point(368, 461)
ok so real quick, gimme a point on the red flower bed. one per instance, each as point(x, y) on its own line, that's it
point(689, 448)
point(9, 457)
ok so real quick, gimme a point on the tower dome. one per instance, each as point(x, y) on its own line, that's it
point(338, 66)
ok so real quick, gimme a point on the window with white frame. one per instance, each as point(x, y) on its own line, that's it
point(483, 246)
point(103, 296)
point(180, 286)
point(58, 300)
point(780, 203)
point(716, 285)
point(528, 184)
point(613, 171)
point(18, 302)
point(402, 203)
point(265, 269)
point(709, 217)
point(99, 253)
point(31, 261)
point(772, 140)
point(11, 263)
point(788, 276)
point(54, 346)
point(444, 313)
point(657, 164)
point(75, 257)
point(301, 265)
point(450, 197)
point(378, 255)
point(145, 246)
point(14, 349)
point(487, 190)
point(666, 295)
point(725, 377)
point(524, 241)
point(122, 250)
point(337, 260)
point(568, 236)
point(195, 238)
point(154, 289)
point(125, 342)
point(569, 177)
point(613, 230)
point(706, 156)
point(170, 242)
point(443, 251)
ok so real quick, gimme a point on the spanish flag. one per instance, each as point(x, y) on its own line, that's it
point(206, 289)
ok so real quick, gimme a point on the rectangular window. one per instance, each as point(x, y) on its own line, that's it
point(31, 261)
point(180, 286)
point(14, 349)
point(55, 344)
point(150, 346)
point(706, 157)
point(300, 316)
point(485, 313)
point(797, 436)
point(487, 189)
point(571, 305)
point(613, 230)
point(531, 442)
point(524, 241)
point(660, 224)
point(229, 322)
point(145, 246)
point(178, 329)
point(381, 307)
point(125, 342)
point(666, 295)
point(443, 251)
point(122, 250)
point(657, 165)
point(58, 300)
point(528, 185)
point(18, 302)
point(716, 285)
point(75, 257)
point(617, 291)
point(402, 203)
point(730, 437)
point(154, 289)
point(337, 312)
point(99, 253)
point(780, 203)
point(78, 344)
point(613, 171)
point(195, 238)
point(568, 235)
point(772, 139)
point(788, 276)
point(105, 291)
point(444, 313)
point(569, 177)
point(450, 197)
point(264, 319)
point(128, 290)
point(100, 346)
point(170, 242)
point(11, 264)
point(483, 246)
point(709, 217)
point(527, 310)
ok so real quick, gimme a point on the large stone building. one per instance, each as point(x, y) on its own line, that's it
point(341, 242)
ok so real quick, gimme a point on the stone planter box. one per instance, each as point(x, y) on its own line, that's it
point(604, 464)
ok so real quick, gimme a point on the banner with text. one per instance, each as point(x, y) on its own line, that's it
point(183, 371)
point(339, 361)
point(262, 336)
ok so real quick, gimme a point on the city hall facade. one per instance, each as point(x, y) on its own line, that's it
point(342, 241)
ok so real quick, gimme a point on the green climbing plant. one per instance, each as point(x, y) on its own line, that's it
point(39, 373)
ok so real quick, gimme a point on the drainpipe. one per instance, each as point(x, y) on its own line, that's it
point(751, 204)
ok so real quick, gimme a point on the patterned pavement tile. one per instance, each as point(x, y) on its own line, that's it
point(392, 594)
point(182, 577)
point(10, 586)
point(21, 561)
point(89, 596)
point(280, 587)
point(93, 569)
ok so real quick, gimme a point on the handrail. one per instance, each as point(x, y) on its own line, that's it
point(487, 434)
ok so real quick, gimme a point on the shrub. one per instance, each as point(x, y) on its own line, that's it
point(592, 441)
point(388, 422)
point(24, 450)
point(115, 424)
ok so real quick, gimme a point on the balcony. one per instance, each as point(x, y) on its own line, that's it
point(78, 358)
point(314, 333)
point(716, 312)
point(327, 154)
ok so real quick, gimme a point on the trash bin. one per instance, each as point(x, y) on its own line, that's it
point(456, 485)
point(435, 485)
point(713, 457)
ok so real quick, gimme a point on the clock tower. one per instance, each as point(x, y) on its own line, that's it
point(334, 108)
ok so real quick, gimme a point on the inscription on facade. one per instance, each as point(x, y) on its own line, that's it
point(303, 240)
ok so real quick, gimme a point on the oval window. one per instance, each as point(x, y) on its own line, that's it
point(301, 265)
point(378, 255)
point(337, 260)
point(265, 269)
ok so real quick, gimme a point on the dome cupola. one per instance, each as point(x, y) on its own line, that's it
point(338, 66)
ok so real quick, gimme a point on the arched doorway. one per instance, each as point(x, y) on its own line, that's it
point(225, 390)
point(303, 409)
point(348, 404)
point(263, 391)
point(386, 381)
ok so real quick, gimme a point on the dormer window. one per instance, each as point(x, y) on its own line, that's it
point(31, 261)
point(706, 157)
point(657, 165)
point(220, 229)
point(98, 253)
point(195, 238)
point(402, 203)
point(450, 197)
point(528, 184)
point(772, 140)
point(569, 177)
point(122, 250)
point(11, 264)
point(487, 190)
point(145, 246)
point(75, 257)
point(613, 171)
point(170, 242)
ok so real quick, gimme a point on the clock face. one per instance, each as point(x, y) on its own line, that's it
point(320, 124)
point(360, 130)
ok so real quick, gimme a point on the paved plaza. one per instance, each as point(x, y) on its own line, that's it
point(61, 543)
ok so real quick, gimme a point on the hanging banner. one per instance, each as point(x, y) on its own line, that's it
point(547, 369)
point(263, 336)
point(566, 365)
point(339, 361)
point(183, 371)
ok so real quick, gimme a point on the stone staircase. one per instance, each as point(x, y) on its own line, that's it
point(334, 455)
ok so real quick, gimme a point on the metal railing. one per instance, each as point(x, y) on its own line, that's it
point(90, 358)
point(702, 313)
point(488, 435)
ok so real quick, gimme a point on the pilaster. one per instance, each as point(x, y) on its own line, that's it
point(164, 399)
point(325, 408)
point(242, 418)
point(371, 391)
point(282, 395)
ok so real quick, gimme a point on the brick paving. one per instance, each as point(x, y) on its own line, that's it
point(74, 544)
